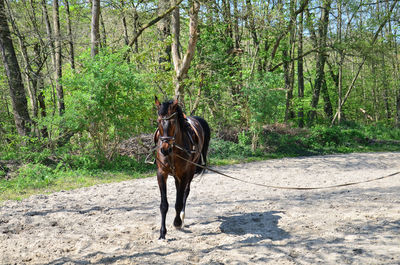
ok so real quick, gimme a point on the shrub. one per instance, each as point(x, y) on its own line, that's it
point(108, 101)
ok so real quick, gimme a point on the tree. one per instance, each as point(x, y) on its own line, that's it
point(181, 66)
point(58, 62)
point(70, 37)
point(95, 29)
point(320, 64)
point(17, 92)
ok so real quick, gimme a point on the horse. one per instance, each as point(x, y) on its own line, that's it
point(180, 141)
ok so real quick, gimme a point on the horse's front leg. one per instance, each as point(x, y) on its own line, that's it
point(162, 184)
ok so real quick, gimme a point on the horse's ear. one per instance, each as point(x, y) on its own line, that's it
point(175, 103)
point(158, 104)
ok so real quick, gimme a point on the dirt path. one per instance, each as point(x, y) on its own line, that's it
point(227, 222)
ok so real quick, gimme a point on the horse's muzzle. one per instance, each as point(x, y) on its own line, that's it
point(166, 149)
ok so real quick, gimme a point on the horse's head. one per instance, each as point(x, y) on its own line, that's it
point(168, 114)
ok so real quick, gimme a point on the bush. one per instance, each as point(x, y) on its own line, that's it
point(33, 175)
point(107, 102)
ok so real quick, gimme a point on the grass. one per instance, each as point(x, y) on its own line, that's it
point(35, 177)
point(65, 180)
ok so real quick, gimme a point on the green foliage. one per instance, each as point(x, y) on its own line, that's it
point(221, 149)
point(107, 100)
point(30, 175)
point(266, 99)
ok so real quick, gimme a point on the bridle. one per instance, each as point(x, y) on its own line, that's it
point(167, 139)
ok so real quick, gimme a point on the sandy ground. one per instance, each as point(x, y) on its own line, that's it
point(227, 222)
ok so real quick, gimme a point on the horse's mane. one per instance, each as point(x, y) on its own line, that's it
point(183, 123)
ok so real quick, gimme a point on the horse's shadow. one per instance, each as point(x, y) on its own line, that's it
point(260, 225)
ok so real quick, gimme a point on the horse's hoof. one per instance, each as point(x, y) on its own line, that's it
point(162, 241)
point(178, 223)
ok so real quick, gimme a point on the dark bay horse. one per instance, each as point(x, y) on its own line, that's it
point(179, 139)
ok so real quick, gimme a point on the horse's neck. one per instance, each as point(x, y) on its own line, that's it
point(182, 137)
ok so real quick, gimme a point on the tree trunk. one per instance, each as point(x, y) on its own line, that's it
point(300, 72)
point(182, 66)
point(103, 36)
point(70, 37)
point(95, 31)
point(340, 72)
point(17, 92)
point(58, 65)
point(51, 44)
point(226, 13)
point(320, 66)
point(289, 72)
point(40, 87)
point(164, 31)
point(126, 36)
point(26, 66)
point(236, 24)
point(327, 101)
point(49, 32)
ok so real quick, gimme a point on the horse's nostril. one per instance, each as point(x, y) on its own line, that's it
point(165, 151)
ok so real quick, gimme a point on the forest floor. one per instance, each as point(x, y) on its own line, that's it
point(227, 222)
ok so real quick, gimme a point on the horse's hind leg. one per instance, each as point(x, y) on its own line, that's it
point(181, 198)
point(180, 188)
point(185, 196)
point(162, 184)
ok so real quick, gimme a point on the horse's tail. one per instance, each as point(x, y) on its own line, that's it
point(207, 135)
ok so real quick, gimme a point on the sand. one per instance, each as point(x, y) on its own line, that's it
point(227, 222)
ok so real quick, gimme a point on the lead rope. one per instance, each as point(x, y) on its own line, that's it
point(289, 188)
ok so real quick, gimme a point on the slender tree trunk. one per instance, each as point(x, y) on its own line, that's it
point(385, 87)
point(237, 84)
point(396, 64)
point(328, 109)
point(252, 24)
point(126, 36)
point(103, 36)
point(17, 92)
point(300, 72)
point(226, 12)
point(70, 37)
point(289, 80)
point(49, 32)
point(320, 66)
point(50, 37)
point(236, 24)
point(288, 83)
point(40, 89)
point(341, 61)
point(58, 65)
point(95, 31)
point(164, 31)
